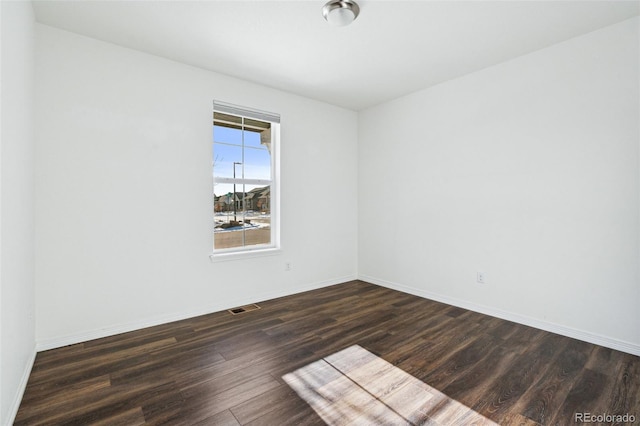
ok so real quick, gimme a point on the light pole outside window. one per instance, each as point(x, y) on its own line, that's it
point(235, 219)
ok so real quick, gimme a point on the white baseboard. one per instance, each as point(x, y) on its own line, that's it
point(585, 336)
point(60, 341)
point(15, 405)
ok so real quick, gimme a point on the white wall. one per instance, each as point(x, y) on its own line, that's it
point(17, 341)
point(123, 191)
point(527, 171)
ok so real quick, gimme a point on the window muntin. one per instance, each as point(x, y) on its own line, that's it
point(243, 177)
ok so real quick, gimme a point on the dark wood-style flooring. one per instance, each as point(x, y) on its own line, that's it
point(223, 369)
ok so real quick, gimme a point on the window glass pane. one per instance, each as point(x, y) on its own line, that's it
point(252, 139)
point(257, 163)
point(225, 159)
point(228, 231)
point(227, 135)
point(243, 220)
point(258, 215)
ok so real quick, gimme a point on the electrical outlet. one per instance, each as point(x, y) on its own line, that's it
point(481, 278)
point(288, 266)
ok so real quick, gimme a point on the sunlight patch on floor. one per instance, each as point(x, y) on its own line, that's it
point(354, 386)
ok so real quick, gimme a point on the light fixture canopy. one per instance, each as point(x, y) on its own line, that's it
point(339, 13)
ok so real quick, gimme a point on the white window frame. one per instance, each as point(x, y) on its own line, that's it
point(273, 248)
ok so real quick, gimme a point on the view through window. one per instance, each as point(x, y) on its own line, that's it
point(243, 178)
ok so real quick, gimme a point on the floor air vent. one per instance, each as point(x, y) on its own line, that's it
point(243, 309)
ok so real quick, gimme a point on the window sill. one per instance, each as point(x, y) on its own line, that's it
point(242, 255)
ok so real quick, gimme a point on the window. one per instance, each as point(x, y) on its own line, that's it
point(245, 147)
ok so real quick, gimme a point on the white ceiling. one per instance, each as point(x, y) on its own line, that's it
point(392, 49)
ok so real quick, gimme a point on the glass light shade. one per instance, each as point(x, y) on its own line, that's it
point(339, 13)
point(340, 17)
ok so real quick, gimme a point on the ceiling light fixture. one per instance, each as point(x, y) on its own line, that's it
point(339, 13)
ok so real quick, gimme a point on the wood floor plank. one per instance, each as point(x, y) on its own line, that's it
point(201, 405)
point(132, 417)
point(376, 354)
point(524, 372)
point(340, 400)
point(289, 414)
point(100, 363)
point(471, 386)
point(583, 396)
point(225, 418)
point(626, 387)
point(547, 396)
point(282, 360)
point(49, 399)
point(281, 399)
point(460, 359)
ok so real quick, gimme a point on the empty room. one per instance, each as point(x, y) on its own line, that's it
point(319, 212)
